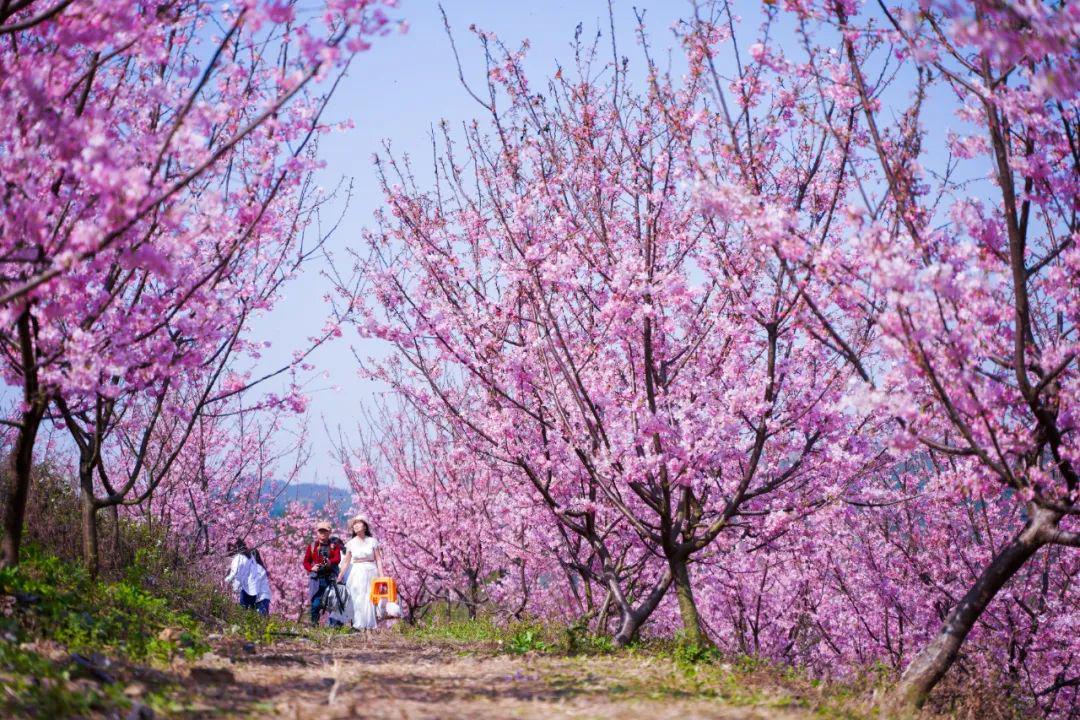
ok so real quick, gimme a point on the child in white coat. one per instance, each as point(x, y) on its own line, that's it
point(248, 577)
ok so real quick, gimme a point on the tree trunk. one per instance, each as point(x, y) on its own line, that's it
point(629, 622)
point(18, 490)
point(631, 618)
point(474, 593)
point(934, 660)
point(693, 630)
point(22, 462)
point(22, 459)
point(89, 531)
point(115, 550)
point(602, 618)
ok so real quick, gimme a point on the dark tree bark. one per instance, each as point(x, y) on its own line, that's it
point(631, 618)
point(935, 659)
point(693, 629)
point(22, 459)
point(88, 507)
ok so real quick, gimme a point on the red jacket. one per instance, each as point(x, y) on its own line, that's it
point(311, 555)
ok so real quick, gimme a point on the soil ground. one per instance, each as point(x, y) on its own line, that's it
point(388, 675)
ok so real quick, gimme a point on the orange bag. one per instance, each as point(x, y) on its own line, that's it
point(383, 588)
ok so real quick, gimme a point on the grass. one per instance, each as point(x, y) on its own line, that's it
point(518, 637)
point(61, 632)
point(480, 630)
point(515, 638)
point(577, 662)
point(60, 629)
point(34, 685)
point(748, 682)
point(57, 601)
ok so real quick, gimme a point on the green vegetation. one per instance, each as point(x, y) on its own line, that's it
point(517, 638)
point(36, 685)
point(64, 636)
point(527, 639)
point(482, 629)
point(578, 640)
point(57, 600)
point(676, 669)
point(69, 644)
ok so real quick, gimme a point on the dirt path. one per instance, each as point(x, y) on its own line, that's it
point(391, 676)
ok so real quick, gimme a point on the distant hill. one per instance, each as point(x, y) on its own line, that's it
point(313, 494)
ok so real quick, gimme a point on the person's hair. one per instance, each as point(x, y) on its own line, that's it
point(367, 527)
point(240, 546)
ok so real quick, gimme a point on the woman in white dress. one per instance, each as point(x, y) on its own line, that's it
point(363, 563)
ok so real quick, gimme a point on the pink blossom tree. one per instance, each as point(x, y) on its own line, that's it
point(960, 253)
point(162, 416)
point(635, 359)
point(863, 583)
point(454, 528)
point(154, 160)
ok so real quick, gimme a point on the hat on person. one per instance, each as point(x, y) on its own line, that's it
point(360, 517)
point(323, 525)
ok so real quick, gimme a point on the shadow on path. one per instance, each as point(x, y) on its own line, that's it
point(386, 675)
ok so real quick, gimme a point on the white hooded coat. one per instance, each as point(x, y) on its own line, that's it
point(239, 570)
point(257, 582)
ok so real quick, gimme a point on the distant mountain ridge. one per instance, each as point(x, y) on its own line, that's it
point(316, 495)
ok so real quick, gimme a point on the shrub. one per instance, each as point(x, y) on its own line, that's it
point(527, 639)
point(35, 686)
point(57, 600)
point(577, 640)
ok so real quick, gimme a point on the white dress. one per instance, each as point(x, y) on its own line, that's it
point(362, 570)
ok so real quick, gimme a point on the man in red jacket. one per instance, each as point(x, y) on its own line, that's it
point(321, 560)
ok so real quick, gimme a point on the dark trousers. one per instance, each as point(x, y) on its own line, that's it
point(251, 602)
point(316, 601)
